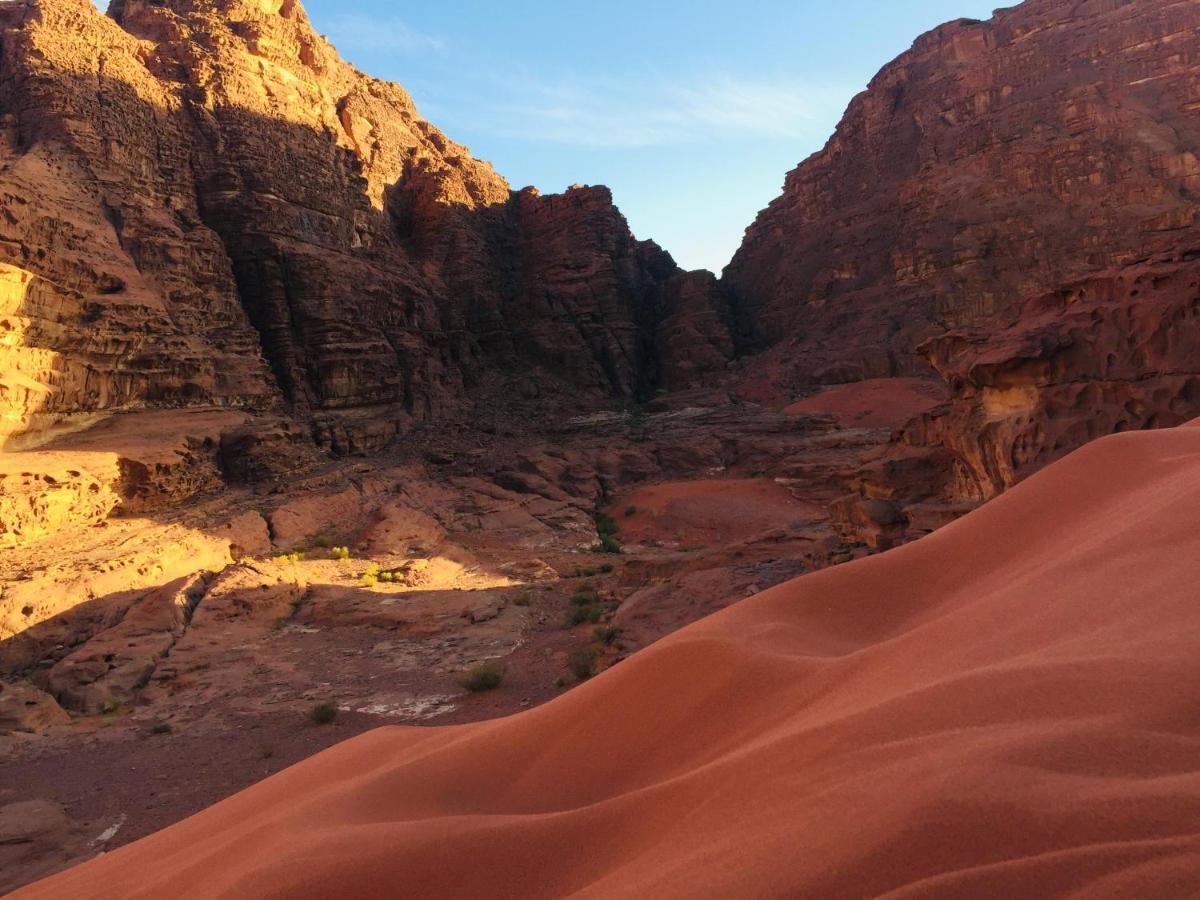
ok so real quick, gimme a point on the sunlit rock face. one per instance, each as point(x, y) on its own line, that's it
point(1011, 204)
point(228, 214)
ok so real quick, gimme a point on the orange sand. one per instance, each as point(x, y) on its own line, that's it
point(708, 512)
point(879, 403)
point(1008, 708)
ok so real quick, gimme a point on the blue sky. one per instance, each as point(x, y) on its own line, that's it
point(692, 111)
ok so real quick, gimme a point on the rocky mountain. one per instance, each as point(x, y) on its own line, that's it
point(234, 270)
point(204, 205)
point(1012, 205)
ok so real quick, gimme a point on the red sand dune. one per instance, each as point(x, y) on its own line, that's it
point(1008, 708)
point(877, 403)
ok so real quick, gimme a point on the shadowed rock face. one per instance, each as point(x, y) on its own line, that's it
point(1012, 203)
point(205, 205)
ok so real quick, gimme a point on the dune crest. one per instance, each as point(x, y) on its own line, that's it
point(1000, 709)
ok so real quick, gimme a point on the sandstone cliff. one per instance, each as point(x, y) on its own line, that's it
point(1013, 205)
point(204, 205)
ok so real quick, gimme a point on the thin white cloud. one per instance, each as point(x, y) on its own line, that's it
point(365, 33)
point(644, 113)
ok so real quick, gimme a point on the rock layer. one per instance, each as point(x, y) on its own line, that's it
point(204, 205)
point(1012, 203)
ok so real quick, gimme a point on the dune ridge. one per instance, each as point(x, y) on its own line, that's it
point(1005, 708)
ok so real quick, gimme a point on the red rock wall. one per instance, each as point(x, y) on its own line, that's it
point(992, 162)
point(227, 213)
point(1012, 204)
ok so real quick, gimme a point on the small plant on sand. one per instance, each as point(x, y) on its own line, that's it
point(522, 600)
point(161, 728)
point(323, 714)
point(582, 663)
point(586, 606)
point(342, 554)
point(387, 577)
point(607, 569)
point(608, 634)
point(630, 511)
point(370, 578)
point(110, 707)
point(483, 677)
point(592, 613)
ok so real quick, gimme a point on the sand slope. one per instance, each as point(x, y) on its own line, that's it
point(1010, 707)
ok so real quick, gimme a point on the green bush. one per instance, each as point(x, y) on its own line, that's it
point(608, 634)
point(606, 525)
point(161, 728)
point(607, 569)
point(630, 511)
point(340, 553)
point(110, 707)
point(607, 544)
point(323, 714)
point(592, 612)
point(582, 662)
point(483, 677)
point(522, 600)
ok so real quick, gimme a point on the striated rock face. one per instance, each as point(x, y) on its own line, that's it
point(1012, 203)
point(204, 205)
point(1111, 353)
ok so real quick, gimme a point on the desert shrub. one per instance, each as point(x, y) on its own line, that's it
point(323, 714)
point(608, 634)
point(607, 544)
point(606, 525)
point(161, 728)
point(630, 511)
point(522, 600)
point(370, 578)
point(110, 707)
point(592, 612)
point(582, 662)
point(606, 569)
point(340, 553)
point(387, 577)
point(483, 677)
